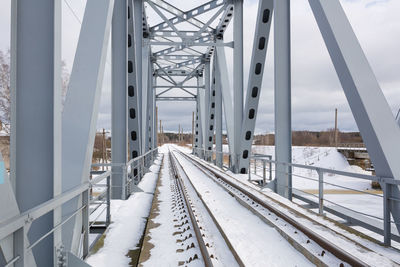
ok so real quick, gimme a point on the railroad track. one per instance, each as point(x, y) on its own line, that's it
point(206, 245)
point(313, 246)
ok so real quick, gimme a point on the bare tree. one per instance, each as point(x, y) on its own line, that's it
point(64, 80)
point(5, 98)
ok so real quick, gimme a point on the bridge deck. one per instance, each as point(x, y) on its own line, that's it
point(235, 231)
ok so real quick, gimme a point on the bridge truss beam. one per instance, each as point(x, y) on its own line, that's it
point(187, 65)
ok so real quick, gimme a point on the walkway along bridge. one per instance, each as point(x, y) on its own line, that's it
point(47, 198)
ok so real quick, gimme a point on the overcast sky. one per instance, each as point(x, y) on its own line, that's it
point(316, 90)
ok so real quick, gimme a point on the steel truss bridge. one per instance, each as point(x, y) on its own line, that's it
point(44, 202)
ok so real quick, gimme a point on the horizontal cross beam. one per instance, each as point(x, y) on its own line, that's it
point(189, 44)
point(178, 86)
point(164, 98)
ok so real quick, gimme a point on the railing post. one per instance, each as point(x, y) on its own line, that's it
point(19, 247)
point(386, 215)
point(320, 191)
point(142, 163)
point(108, 215)
point(270, 168)
point(249, 172)
point(85, 222)
point(264, 171)
point(124, 176)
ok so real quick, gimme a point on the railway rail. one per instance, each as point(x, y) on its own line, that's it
point(182, 183)
point(207, 235)
point(286, 225)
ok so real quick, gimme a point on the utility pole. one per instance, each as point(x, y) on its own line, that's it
point(156, 130)
point(336, 129)
point(104, 148)
point(160, 141)
point(192, 129)
point(162, 134)
point(179, 134)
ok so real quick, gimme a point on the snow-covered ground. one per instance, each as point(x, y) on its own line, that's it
point(122, 237)
point(128, 223)
point(329, 158)
point(324, 157)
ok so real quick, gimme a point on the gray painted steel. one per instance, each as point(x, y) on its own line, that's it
point(37, 114)
point(206, 111)
point(257, 64)
point(134, 133)
point(35, 67)
point(144, 103)
point(237, 80)
point(370, 109)
point(209, 140)
point(282, 100)
point(138, 31)
point(218, 116)
point(180, 16)
point(202, 99)
point(226, 96)
point(118, 96)
point(9, 209)
point(78, 134)
point(198, 126)
point(150, 108)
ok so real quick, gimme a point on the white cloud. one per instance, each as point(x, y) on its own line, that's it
point(316, 91)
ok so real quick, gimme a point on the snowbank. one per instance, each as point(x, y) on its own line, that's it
point(129, 220)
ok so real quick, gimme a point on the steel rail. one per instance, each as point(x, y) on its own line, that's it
point(324, 243)
point(224, 236)
point(199, 237)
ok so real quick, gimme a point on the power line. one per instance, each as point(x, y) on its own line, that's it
point(73, 12)
point(79, 20)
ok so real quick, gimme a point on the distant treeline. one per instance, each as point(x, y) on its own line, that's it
point(313, 138)
point(299, 138)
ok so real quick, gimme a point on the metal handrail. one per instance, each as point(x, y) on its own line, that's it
point(13, 224)
point(20, 222)
point(386, 182)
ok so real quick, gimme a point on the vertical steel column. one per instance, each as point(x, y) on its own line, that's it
point(387, 235)
point(226, 96)
point(145, 87)
point(237, 79)
point(119, 97)
point(155, 114)
point(199, 131)
point(257, 64)
point(283, 125)
point(36, 104)
point(57, 133)
point(211, 115)
point(138, 31)
point(203, 120)
point(196, 126)
point(206, 75)
point(133, 103)
point(218, 116)
point(85, 222)
point(150, 107)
